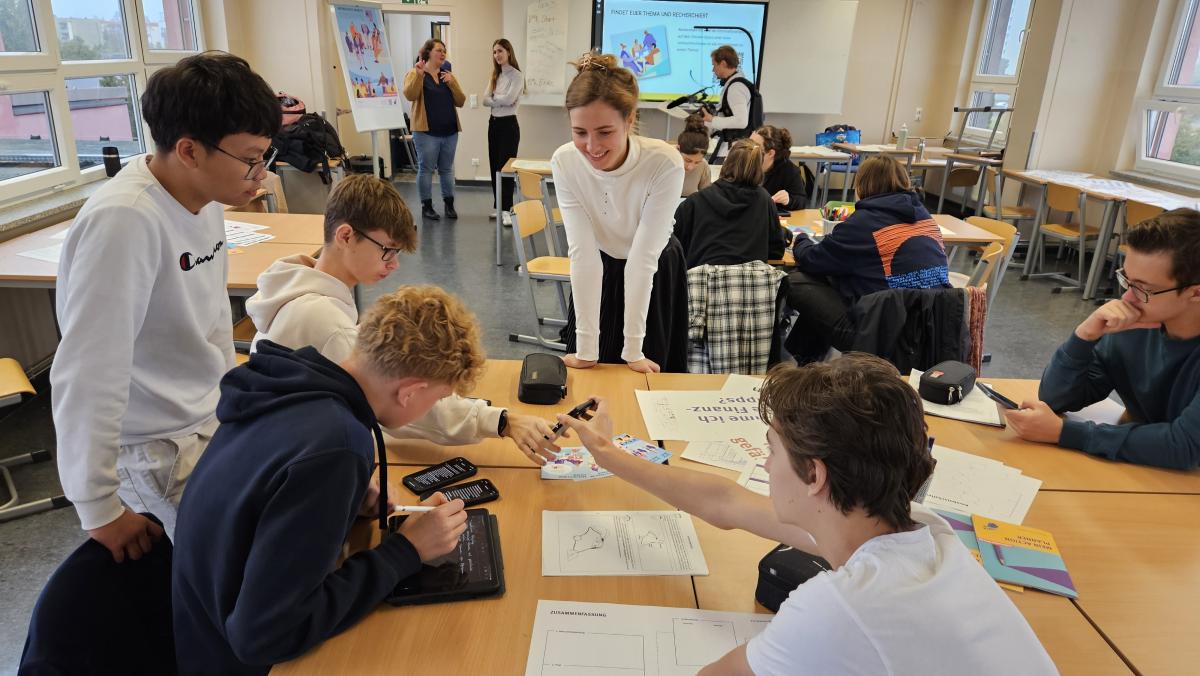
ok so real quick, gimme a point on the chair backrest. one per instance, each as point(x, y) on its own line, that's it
point(1063, 197)
point(998, 228)
point(961, 177)
point(98, 616)
point(1136, 212)
point(13, 380)
point(530, 185)
point(529, 218)
point(992, 255)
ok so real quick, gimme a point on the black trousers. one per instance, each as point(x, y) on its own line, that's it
point(823, 322)
point(504, 135)
point(666, 317)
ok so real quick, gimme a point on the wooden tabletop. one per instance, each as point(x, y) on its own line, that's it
point(978, 160)
point(1134, 560)
point(873, 149)
point(955, 231)
point(245, 263)
point(541, 171)
point(816, 153)
point(492, 636)
point(499, 384)
point(287, 228)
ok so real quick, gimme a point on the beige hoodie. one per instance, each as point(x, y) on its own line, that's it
point(298, 305)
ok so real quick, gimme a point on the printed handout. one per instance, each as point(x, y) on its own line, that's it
point(620, 543)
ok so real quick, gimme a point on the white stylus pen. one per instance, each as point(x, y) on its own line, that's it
point(411, 508)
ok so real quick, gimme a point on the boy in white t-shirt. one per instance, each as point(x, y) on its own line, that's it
point(142, 301)
point(849, 451)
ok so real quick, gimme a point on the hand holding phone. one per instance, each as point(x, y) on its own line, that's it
point(581, 412)
point(997, 397)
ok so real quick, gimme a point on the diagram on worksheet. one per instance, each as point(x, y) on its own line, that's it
point(602, 639)
point(620, 543)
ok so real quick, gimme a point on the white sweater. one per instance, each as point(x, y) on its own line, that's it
point(146, 331)
point(298, 305)
point(627, 213)
point(509, 85)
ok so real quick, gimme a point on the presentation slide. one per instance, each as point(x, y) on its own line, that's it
point(667, 43)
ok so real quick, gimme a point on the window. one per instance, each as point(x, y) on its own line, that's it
point(1168, 141)
point(997, 65)
point(73, 72)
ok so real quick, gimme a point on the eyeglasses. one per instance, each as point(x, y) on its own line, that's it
point(255, 165)
point(1142, 294)
point(389, 253)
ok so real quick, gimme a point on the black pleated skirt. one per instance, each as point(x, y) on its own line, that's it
point(666, 317)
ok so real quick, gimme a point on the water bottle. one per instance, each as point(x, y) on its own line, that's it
point(921, 150)
point(902, 137)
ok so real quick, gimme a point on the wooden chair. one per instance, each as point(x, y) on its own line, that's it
point(1011, 237)
point(532, 187)
point(1134, 212)
point(960, 177)
point(1073, 231)
point(243, 335)
point(529, 219)
point(14, 385)
point(984, 269)
point(995, 188)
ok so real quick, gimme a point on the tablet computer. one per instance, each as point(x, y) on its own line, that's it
point(474, 570)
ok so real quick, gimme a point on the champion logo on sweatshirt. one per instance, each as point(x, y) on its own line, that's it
point(187, 261)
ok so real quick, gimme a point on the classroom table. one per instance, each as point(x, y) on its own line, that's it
point(955, 231)
point(499, 385)
point(982, 164)
point(1057, 468)
point(492, 636)
point(1134, 559)
point(287, 228)
point(1111, 193)
point(821, 157)
point(245, 263)
point(541, 168)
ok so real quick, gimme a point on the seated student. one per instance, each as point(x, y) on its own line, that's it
point(849, 451)
point(255, 579)
point(693, 143)
point(889, 242)
point(781, 178)
point(732, 221)
point(302, 301)
point(1145, 346)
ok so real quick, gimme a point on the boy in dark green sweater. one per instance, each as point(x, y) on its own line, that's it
point(1145, 345)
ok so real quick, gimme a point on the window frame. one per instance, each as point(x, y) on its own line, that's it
point(1164, 90)
point(44, 71)
point(997, 84)
point(1155, 166)
point(1169, 98)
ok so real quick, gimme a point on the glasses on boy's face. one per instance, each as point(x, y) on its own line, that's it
point(255, 165)
point(1142, 294)
point(389, 253)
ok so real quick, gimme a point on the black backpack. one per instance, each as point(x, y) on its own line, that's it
point(308, 143)
point(756, 113)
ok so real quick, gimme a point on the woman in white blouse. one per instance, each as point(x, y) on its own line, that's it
point(504, 134)
point(618, 193)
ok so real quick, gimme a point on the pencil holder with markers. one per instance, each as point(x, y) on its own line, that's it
point(833, 213)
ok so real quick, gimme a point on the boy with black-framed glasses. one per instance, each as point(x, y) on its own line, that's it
point(1145, 346)
point(304, 301)
point(142, 301)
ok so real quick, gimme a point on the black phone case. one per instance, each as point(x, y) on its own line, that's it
point(439, 475)
point(476, 492)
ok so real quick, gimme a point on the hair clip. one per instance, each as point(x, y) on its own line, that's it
point(591, 61)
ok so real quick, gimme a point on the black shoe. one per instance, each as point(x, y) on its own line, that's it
point(450, 212)
point(427, 210)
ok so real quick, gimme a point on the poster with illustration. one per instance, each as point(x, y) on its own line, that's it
point(367, 63)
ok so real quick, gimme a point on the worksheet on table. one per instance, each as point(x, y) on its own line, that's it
point(620, 543)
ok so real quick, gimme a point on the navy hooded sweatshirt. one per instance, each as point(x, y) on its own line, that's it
point(255, 579)
point(889, 242)
point(729, 224)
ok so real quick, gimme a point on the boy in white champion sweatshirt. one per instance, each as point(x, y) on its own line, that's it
point(302, 301)
point(142, 301)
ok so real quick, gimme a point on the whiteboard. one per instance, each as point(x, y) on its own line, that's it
point(805, 53)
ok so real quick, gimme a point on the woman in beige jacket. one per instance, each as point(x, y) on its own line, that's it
point(435, 94)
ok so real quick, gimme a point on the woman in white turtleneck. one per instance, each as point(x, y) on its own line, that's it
point(504, 134)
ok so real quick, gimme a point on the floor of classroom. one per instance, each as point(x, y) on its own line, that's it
point(1025, 325)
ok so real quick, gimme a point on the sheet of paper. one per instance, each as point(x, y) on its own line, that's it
point(723, 454)
point(50, 254)
point(755, 478)
point(61, 234)
point(532, 165)
point(620, 543)
point(975, 407)
point(818, 150)
point(577, 464)
point(1105, 412)
point(607, 639)
point(699, 416)
point(247, 239)
point(969, 484)
point(242, 226)
point(736, 383)
point(946, 232)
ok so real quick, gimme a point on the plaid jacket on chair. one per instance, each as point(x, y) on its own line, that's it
point(731, 317)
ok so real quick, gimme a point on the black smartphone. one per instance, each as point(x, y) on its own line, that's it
point(471, 493)
point(997, 397)
point(439, 475)
point(580, 411)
